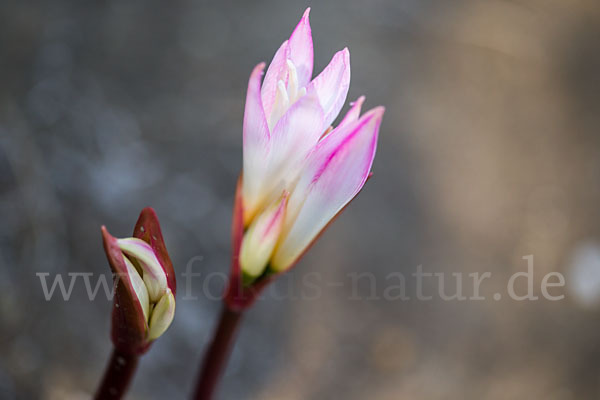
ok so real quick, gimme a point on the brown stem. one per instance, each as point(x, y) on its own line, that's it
point(216, 356)
point(118, 374)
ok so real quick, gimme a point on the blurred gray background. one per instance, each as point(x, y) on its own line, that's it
point(489, 151)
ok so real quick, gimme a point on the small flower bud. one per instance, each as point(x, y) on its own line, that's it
point(145, 285)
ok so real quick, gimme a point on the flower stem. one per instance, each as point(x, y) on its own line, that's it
point(118, 374)
point(216, 356)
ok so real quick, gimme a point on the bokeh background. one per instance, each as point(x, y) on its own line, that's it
point(489, 151)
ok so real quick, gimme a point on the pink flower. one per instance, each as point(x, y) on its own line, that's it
point(298, 171)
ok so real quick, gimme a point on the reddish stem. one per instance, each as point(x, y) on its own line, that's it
point(118, 374)
point(217, 355)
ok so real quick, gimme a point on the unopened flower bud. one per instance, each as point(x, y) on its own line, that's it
point(145, 285)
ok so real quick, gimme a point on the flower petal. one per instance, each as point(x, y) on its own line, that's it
point(162, 315)
point(354, 112)
point(153, 274)
point(301, 49)
point(293, 138)
point(334, 174)
point(139, 287)
point(238, 296)
point(260, 239)
point(350, 117)
point(256, 141)
point(129, 321)
point(147, 228)
point(277, 71)
point(331, 86)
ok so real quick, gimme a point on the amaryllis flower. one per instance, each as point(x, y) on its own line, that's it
point(144, 303)
point(298, 171)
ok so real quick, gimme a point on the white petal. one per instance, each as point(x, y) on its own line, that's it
point(256, 143)
point(153, 274)
point(301, 49)
point(294, 137)
point(354, 112)
point(260, 239)
point(277, 71)
point(334, 174)
point(331, 86)
point(139, 287)
point(162, 315)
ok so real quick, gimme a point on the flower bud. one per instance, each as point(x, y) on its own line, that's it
point(144, 304)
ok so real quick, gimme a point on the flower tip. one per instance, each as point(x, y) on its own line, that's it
point(344, 54)
point(258, 70)
point(304, 21)
point(306, 14)
point(147, 218)
point(375, 113)
point(147, 226)
point(358, 102)
point(379, 111)
point(111, 248)
point(373, 118)
point(148, 212)
point(105, 235)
